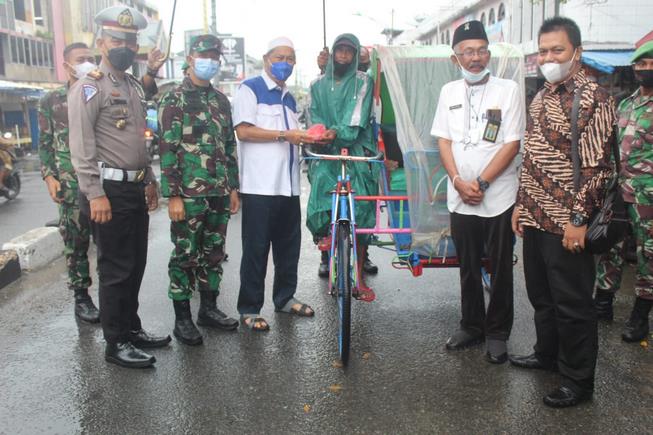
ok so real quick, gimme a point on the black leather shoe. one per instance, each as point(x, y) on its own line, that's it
point(86, 310)
point(564, 397)
point(185, 330)
point(496, 359)
point(369, 267)
point(144, 339)
point(209, 315)
point(126, 355)
point(462, 339)
point(531, 362)
point(603, 304)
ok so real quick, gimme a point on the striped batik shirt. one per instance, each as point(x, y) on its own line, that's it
point(546, 196)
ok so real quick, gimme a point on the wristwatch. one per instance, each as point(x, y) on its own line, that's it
point(281, 137)
point(482, 184)
point(577, 219)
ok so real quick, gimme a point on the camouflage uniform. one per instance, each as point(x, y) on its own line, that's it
point(55, 161)
point(636, 139)
point(199, 164)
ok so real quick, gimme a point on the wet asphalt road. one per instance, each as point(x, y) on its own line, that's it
point(400, 378)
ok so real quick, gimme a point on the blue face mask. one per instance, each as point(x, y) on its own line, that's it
point(471, 77)
point(205, 69)
point(281, 70)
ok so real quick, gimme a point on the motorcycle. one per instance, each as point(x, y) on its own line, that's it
point(151, 143)
point(11, 187)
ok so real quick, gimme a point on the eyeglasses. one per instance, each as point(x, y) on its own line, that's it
point(470, 53)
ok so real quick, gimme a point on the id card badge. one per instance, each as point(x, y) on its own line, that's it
point(493, 125)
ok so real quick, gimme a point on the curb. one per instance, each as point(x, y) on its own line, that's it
point(36, 248)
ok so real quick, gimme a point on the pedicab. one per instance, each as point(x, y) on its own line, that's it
point(412, 218)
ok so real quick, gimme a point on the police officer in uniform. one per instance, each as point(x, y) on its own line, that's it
point(106, 112)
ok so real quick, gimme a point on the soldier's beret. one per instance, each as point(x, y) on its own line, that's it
point(122, 22)
point(202, 43)
point(470, 30)
point(646, 49)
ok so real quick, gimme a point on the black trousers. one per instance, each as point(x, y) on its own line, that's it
point(275, 221)
point(560, 286)
point(121, 257)
point(476, 237)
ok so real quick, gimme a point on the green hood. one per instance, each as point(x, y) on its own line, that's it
point(351, 72)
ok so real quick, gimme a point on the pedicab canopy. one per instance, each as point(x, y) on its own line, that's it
point(409, 82)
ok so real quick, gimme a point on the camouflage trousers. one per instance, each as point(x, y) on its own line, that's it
point(76, 232)
point(195, 262)
point(611, 264)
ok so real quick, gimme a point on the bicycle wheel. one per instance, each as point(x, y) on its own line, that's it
point(343, 283)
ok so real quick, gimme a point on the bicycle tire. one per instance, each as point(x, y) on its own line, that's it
point(343, 284)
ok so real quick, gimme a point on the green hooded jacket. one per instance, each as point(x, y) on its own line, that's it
point(343, 105)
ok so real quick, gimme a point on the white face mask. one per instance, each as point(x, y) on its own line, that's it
point(557, 72)
point(82, 69)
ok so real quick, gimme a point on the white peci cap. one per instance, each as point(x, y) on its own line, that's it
point(281, 41)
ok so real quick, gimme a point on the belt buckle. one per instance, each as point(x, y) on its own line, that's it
point(140, 175)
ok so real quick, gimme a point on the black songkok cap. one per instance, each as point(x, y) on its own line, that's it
point(469, 30)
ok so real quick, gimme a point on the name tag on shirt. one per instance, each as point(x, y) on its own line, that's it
point(457, 106)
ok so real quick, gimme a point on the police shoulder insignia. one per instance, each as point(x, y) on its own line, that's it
point(89, 91)
point(95, 74)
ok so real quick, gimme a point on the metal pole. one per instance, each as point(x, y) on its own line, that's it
point(324, 23)
point(214, 21)
point(172, 23)
point(206, 17)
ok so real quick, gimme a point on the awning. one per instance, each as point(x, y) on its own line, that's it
point(20, 89)
point(607, 61)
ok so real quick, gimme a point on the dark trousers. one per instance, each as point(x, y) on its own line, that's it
point(476, 237)
point(560, 286)
point(121, 257)
point(276, 221)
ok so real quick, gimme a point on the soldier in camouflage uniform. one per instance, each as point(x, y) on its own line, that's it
point(59, 175)
point(636, 139)
point(199, 173)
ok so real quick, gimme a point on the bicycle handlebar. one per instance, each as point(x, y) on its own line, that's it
point(340, 157)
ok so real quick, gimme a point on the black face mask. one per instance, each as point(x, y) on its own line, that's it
point(121, 58)
point(363, 67)
point(340, 69)
point(645, 77)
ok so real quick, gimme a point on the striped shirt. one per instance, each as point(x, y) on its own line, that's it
point(546, 197)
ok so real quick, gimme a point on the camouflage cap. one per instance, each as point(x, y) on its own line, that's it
point(121, 21)
point(646, 49)
point(202, 43)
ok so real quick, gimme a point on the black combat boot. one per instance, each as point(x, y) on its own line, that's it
point(185, 330)
point(209, 315)
point(323, 270)
point(637, 326)
point(85, 309)
point(603, 304)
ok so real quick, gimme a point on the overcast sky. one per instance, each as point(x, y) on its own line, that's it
point(259, 21)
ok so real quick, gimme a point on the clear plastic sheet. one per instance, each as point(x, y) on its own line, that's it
point(414, 76)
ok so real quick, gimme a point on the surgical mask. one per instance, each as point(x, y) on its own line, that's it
point(205, 68)
point(281, 70)
point(82, 69)
point(557, 72)
point(121, 58)
point(471, 77)
point(644, 77)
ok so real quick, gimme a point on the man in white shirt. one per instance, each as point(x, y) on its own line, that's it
point(265, 118)
point(479, 124)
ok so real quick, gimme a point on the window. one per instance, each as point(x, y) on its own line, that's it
point(50, 62)
point(27, 52)
point(33, 47)
point(491, 19)
point(39, 56)
point(19, 10)
point(14, 49)
point(38, 13)
point(21, 51)
point(502, 12)
point(482, 20)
